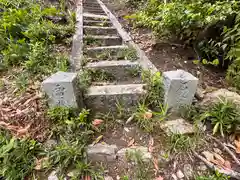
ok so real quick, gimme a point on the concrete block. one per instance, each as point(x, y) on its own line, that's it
point(104, 98)
point(62, 90)
point(178, 126)
point(101, 152)
point(97, 23)
point(180, 87)
point(105, 40)
point(98, 30)
point(121, 69)
point(91, 16)
point(95, 52)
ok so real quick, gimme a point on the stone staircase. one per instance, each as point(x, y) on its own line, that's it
point(102, 47)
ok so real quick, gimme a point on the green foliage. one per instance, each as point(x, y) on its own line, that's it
point(143, 169)
point(182, 18)
point(28, 37)
point(147, 123)
point(154, 88)
point(17, 158)
point(224, 115)
point(216, 176)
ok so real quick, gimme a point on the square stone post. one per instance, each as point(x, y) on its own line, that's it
point(180, 87)
point(62, 90)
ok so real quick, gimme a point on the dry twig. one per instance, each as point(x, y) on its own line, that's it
point(226, 149)
point(230, 173)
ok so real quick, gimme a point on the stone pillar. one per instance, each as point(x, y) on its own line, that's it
point(62, 90)
point(180, 87)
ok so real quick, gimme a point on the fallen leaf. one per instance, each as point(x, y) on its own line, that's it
point(227, 165)
point(131, 142)
point(23, 131)
point(148, 115)
point(237, 143)
point(219, 158)
point(97, 122)
point(97, 139)
point(159, 178)
point(87, 178)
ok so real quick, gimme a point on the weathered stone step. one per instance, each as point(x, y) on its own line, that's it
point(104, 98)
point(106, 52)
point(102, 40)
point(97, 30)
point(122, 70)
point(93, 11)
point(91, 16)
point(103, 23)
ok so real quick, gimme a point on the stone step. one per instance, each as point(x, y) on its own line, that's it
point(106, 52)
point(98, 30)
point(103, 23)
point(102, 40)
point(93, 11)
point(91, 16)
point(122, 70)
point(104, 98)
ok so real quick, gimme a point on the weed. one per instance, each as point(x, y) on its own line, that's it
point(66, 153)
point(184, 143)
point(22, 81)
point(147, 123)
point(224, 115)
point(154, 88)
point(216, 176)
point(127, 54)
point(97, 75)
point(143, 168)
point(91, 41)
point(17, 159)
point(134, 71)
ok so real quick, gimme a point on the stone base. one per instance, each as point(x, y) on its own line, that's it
point(104, 98)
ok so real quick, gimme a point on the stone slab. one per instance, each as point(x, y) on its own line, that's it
point(99, 30)
point(62, 90)
point(91, 16)
point(145, 155)
point(215, 96)
point(180, 88)
point(112, 50)
point(97, 23)
point(178, 126)
point(104, 98)
point(106, 40)
point(121, 69)
point(101, 152)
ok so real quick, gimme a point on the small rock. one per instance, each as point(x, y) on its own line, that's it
point(199, 94)
point(49, 144)
point(178, 126)
point(145, 155)
point(209, 156)
point(108, 178)
point(101, 152)
point(174, 177)
point(188, 171)
point(214, 96)
point(180, 174)
point(202, 167)
point(218, 151)
point(53, 176)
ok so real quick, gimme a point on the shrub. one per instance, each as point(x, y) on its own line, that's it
point(224, 115)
